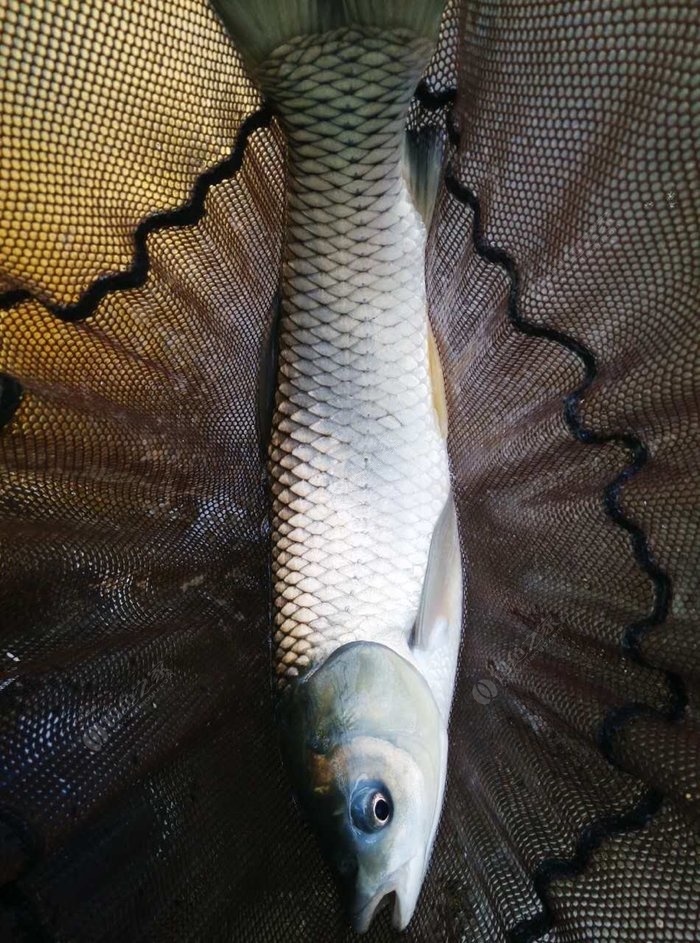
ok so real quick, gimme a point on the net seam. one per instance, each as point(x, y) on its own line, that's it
point(608, 826)
point(187, 214)
point(11, 393)
point(136, 274)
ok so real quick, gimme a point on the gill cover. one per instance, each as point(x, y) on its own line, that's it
point(366, 749)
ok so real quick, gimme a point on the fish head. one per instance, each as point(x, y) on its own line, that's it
point(366, 748)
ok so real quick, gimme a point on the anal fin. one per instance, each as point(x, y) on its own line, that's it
point(423, 153)
point(437, 383)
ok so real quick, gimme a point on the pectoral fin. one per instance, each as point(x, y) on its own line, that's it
point(439, 620)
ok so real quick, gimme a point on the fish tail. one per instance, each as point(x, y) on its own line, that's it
point(260, 26)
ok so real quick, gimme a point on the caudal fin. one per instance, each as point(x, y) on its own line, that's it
point(260, 26)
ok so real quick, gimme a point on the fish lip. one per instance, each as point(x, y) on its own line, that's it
point(361, 918)
point(404, 902)
point(403, 911)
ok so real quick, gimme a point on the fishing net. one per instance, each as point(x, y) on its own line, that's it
point(142, 795)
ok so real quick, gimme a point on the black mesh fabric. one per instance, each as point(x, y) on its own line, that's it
point(141, 791)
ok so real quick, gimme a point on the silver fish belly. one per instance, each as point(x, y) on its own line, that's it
point(357, 459)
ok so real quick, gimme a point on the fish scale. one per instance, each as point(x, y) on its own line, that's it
point(357, 459)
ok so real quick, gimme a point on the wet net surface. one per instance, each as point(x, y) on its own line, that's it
point(141, 792)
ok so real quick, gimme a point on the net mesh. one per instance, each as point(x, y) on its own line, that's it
point(141, 791)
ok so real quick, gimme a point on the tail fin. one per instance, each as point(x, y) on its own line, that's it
point(260, 26)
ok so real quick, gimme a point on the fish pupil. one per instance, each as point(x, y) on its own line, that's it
point(371, 807)
point(381, 809)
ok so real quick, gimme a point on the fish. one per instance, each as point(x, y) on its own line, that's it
point(366, 559)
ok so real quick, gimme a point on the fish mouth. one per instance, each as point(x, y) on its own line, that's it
point(403, 886)
point(362, 918)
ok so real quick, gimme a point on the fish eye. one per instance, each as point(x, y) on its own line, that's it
point(371, 807)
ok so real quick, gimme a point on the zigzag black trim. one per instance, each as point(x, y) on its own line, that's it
point(591, 837)
point(188, 214)
point(431, 100)
point(11, 393)
point(608, 826)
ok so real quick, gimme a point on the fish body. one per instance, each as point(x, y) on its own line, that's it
point(366, 564)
